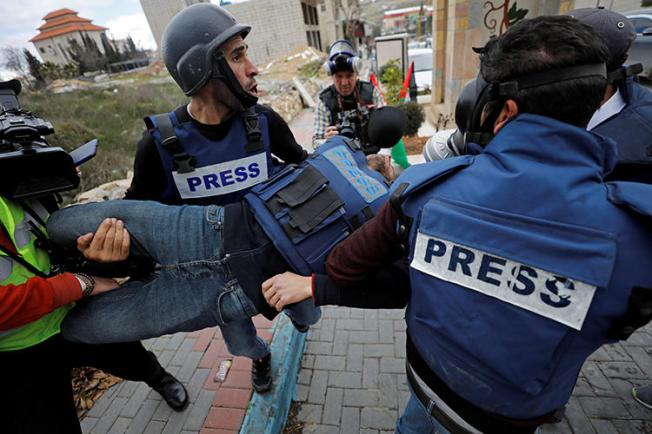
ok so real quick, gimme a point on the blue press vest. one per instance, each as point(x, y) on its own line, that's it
point(632, 127)
point(521, 258)
point(307, 209)
point(224, 172)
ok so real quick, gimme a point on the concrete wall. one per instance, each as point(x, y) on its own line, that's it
point(277, 27)
point(160, 12)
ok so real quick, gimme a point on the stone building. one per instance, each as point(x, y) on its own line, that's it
point(278, 26)
point(400, 20)
point(62, 27)
point(160, 12)
point(332, 16)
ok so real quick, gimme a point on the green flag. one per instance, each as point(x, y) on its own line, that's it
point(399, 155)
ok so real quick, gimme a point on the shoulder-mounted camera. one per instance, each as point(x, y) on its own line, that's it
point(29, 167)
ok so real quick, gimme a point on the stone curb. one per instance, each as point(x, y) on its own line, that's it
point(267, 413)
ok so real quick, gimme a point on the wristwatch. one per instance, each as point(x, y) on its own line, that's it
point(87, 283)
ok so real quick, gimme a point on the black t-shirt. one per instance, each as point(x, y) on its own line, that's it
point(149, 175)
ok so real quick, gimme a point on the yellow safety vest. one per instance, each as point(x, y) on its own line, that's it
point(16, 222)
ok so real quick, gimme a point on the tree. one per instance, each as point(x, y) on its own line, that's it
point(110, 52)
point(87, 55)
point(646, 3)
point(133, 51)
point(347, 12)
point(392, 80)
point(13, 60)
point(35, 68)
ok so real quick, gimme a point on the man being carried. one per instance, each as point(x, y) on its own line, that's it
point(213, 260)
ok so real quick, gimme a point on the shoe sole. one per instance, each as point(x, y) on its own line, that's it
point(179, 409)
point(262, 389)
point(637, 399)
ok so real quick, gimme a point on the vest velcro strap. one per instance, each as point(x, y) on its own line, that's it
point(274, 205)
point(182, 161)
point(352, 144)
point(252, 126)
point(355, 222)
point(291, 232)
point(314, 211)
point(169, 138)
point(302, 188)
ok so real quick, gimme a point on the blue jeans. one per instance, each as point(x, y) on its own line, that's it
point(416, 420)
point(192, 289)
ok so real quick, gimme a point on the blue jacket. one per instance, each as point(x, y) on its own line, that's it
point(521, 259)
point(632, 127)
point(307, 209)
point(224, 170)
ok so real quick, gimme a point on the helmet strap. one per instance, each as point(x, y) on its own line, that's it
point(222, 71)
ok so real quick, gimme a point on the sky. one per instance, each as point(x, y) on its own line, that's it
point(19, 20)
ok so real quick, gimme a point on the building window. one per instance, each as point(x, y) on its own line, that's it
point(315, 19)
point(41, 49)
point(314, 39)
point(309, 14)
point(306, 20)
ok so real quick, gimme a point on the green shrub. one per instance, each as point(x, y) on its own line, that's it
point(392, 80)
point(414, 115)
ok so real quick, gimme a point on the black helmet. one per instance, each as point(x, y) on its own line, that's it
point(190, 48)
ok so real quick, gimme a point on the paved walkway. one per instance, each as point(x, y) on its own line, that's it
point(353, 379)
point(215, 408)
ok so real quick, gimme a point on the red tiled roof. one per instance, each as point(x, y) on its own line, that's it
point(59, 12)
point(63, 20)
point(69, 28)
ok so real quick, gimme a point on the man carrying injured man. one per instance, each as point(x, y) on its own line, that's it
point(212, 261)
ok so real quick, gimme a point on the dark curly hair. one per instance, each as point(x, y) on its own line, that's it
point(545, 43)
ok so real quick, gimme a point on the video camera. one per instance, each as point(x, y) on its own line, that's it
point(29, 167)
point(354, 125)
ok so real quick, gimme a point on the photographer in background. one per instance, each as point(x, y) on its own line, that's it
point(34, 299)
point(347, 101)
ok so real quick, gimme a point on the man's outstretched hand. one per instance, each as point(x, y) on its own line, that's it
point(286, 288)
point(109, 243)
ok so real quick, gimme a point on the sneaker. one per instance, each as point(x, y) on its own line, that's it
point(643, 395)
point(261, 374)
point(172, 391)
